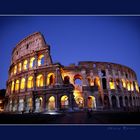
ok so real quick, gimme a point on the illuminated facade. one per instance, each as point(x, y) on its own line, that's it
point(36, 84)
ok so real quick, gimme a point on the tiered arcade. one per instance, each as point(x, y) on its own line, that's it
point(36, 84)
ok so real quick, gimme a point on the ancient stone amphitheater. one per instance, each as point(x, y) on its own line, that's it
point(36, 84)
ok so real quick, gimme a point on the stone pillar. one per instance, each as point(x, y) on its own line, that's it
point(58, 104)
point(44, 102)
point(118, 101)
point(110, 101)
point(34, 81)
point(36, 61)
point(107, 79)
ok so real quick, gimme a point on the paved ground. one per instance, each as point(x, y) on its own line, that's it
point(72, 118)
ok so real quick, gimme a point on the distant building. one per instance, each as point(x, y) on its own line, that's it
point(2, 99)
point(36, 84)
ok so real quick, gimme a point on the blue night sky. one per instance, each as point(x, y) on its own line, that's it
point(75, 38)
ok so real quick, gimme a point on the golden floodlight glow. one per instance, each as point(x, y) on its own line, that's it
point(137, 87)
point(50, 79)
point(12, 87)
point(22, 85)
point(39, 80)
point(32, 61)
point(25, 65)
point(123, 83)
point(19, 67)
point(112, 84)
point(128, 86)
point(30, 82)
point(39, 59)
point(17, 85)
point(15, 69)
point(132, 87)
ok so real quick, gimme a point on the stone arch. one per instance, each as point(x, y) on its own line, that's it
point(38, 104)
point(21, 105)
point(25, 63)
point(17, 85)
point(66, 80)
point(106, 102)
point(51, 79)
point(22, 84)
point(32, 62)
point(111, 83)
point(78, 79)
point(40, 60)
point(104, 83)
point(79, 101)
point(19, 67)
point(51, 104)
point(114, 102)
point(91, 102)
point(130, 101)
point(64, 101)
point(40, 80)
point(15, 69)
point(12, 86)
point(30, 82)
point(118, 83)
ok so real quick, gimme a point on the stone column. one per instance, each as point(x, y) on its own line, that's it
point(110, 101)
point(58, 102)
point(118, 101)
point(36, 60)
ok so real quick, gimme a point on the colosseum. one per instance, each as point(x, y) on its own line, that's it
point(36, 84)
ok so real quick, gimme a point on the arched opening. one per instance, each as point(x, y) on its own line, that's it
point(12, 87)
point(128, 86)
point(15, 105)
point(78, 80)
point(111, 84)
point(123, 83)
point(66, 80)
point(114, 102)
point(22, 85)
point(79, 101)
point(118, 83)
point(137, 86)
point(17, 85)
point(41, 60)
point(50, 79)
point(121, 101)
point(126, 101)
point(15, 69)
point(132, 87)
point(21, 105)
point(130, 101)
point(30, 82)
point(51, 103)
point(29, 104)
point(10, 106)
point(40, 81)
point(19, 67)
point(25, 65)
point(90, 81)
point(38, 104)
point(91, 102)
point(32, 62)
point(104, 83)
point(64, 102)
point(106, 102)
